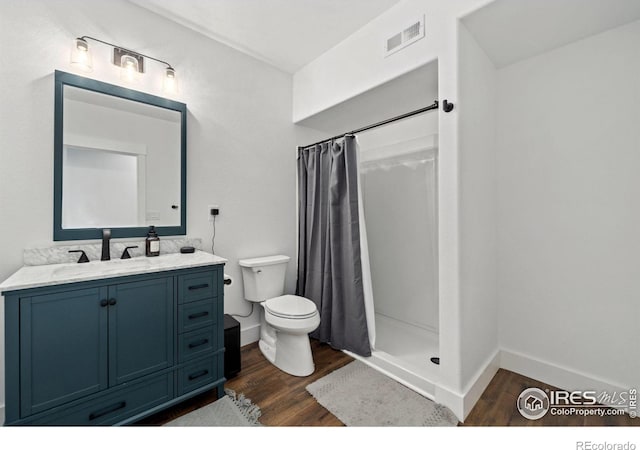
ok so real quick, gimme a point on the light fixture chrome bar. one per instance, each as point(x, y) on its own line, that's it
point(122, 51)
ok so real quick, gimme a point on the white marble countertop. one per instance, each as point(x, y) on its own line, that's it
point(56, 274)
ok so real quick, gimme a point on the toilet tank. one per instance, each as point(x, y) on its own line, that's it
point(263, 278)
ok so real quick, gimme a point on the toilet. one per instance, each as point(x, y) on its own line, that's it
point(286, 320)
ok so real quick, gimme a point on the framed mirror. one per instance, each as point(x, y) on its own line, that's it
point(119, 161)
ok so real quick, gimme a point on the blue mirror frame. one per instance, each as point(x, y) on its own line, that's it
point(63, 79)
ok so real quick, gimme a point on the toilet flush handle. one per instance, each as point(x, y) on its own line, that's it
point(256, 270)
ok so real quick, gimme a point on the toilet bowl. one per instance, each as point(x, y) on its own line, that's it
point(285, 320)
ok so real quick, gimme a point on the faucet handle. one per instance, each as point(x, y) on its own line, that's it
point(125, 254)
point(83, 257)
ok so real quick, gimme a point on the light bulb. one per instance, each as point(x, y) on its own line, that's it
point(129, 71)
point(81, 55)
point(170, 82)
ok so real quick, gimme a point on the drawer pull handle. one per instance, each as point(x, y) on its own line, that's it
point(199, 343)
point(107, 410)
point(198, 315)
point(198, 286)
point(104, 302)
point(112, 301)
point(200, 374)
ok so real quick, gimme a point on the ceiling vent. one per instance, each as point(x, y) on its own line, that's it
point(408, 36)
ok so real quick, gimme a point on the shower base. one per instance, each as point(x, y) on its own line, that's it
point(403, 352)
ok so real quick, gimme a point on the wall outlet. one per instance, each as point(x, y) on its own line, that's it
point(212, 211)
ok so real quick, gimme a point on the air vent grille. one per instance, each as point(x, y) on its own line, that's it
point(409, 35)
point(411, 32)
point(394, 42)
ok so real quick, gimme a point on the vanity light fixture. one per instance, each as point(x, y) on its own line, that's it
point(170, 82)
point(131, 62)
point(81, 55)
point(130, 68)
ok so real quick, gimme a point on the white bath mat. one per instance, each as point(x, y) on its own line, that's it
point(232, 410)
point(361, 396)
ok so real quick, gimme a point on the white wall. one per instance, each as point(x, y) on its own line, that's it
point(568, 216)
point(401, 222)
point(408, 92)
point(358, 64)
point(478, 206)
point(240, 136)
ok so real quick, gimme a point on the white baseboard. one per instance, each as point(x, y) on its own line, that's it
point(561, 377)
point(461, 404)
point(480, 381)
point(555, 375)
point(451, 399)
point(249, 334)
point(546, 372)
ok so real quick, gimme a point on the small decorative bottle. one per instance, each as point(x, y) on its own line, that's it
point(152, 243)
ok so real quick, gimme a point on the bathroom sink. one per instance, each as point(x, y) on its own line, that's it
point(56, 274)
point(101, 267)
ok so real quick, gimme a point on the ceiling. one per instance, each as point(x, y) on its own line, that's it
point(287, 34)
point(513, 30)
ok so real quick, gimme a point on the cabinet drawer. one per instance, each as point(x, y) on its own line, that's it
point(197, 374)
point(115, 407)
point(196, 343)
point(195, 315)
point(198, 286)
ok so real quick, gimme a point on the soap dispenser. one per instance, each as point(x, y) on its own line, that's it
point(152, 243)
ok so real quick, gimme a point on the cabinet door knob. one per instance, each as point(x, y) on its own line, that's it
point(104, 302)
point(112, 301)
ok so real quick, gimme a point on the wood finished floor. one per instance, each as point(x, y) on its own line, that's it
point(497, 407)
point(285, 402)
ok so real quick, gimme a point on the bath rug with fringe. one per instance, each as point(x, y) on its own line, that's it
point(361, 396)
point(232, 410)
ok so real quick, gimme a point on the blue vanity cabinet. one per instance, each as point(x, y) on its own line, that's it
point(200, 331)
point(63, 348)
point(141, 328)
point(107, 352)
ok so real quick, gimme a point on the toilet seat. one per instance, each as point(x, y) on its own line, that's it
point(291, 307)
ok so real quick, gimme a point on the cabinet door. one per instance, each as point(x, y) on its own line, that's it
point(141, 328)
point(63, 345)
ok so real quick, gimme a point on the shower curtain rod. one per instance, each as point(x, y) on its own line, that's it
point(446, 106)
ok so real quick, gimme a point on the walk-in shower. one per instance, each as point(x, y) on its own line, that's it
point(398, 190)
point(396, 131)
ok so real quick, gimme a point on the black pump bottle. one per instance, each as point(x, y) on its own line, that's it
point(152, 243)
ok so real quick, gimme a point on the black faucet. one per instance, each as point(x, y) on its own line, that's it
point(83, 256)
point(125, 254)
point(106, 237)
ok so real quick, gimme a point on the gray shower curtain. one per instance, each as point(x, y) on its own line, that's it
point(329, 264)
